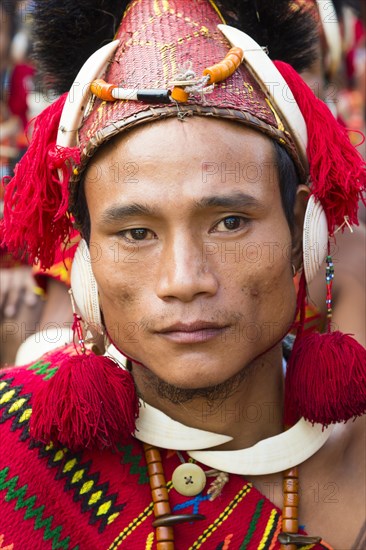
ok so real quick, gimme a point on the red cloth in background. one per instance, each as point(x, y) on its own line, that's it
point(20, 84)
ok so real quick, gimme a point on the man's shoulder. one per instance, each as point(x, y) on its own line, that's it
point(18, 383)
point(46, 365)
point(353, 439)
point(50, 492)
point(41, 369)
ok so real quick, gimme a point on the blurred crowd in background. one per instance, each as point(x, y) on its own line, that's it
point(34, 303)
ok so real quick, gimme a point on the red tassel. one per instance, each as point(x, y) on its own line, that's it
point(90, 402)
point(325, 379)
point(35, 222)
point(337, 170)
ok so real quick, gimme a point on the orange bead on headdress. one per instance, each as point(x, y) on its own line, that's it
point(177, 58)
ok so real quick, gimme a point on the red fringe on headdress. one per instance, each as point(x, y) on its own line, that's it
point(337, 170)
point(35, 220)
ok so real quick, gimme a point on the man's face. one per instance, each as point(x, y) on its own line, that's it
point(190, 247)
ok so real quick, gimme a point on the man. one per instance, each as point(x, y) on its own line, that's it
point(191, 212)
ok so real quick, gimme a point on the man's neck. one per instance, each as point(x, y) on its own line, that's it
point(248, 408)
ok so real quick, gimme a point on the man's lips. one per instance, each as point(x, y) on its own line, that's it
point(195, 332)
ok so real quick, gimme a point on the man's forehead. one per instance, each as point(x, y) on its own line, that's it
point(186, 166)
point(208, 135)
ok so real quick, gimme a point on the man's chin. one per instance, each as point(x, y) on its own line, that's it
point(181, 392)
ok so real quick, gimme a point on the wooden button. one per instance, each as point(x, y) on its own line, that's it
point(189, 479)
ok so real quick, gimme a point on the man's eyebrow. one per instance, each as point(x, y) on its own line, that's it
point(117, 213)
point(234, 200)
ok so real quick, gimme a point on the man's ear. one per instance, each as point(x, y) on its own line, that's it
point(302, 196)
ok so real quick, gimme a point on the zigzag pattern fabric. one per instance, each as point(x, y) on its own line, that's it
point(52, 498)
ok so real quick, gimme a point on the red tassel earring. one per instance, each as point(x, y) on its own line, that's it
point(90, 402)
point(326, 373)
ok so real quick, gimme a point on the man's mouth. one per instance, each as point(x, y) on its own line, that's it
point(194, 332)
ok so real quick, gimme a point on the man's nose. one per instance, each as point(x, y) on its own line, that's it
point(184, 273)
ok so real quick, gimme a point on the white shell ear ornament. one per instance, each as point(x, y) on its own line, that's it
point(79, 96)
point(266, 73)
point(85, 289)
point(315, 238)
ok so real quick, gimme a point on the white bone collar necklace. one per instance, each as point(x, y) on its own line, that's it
point(275, 454)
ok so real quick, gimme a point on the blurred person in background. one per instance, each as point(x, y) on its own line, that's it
point(30, 300)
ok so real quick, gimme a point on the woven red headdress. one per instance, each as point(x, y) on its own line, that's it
point(160, 46)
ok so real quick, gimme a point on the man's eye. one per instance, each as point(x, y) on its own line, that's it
point(138, 234)
point(231, 223)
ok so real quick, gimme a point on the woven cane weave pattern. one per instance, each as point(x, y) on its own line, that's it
point(158, 40)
